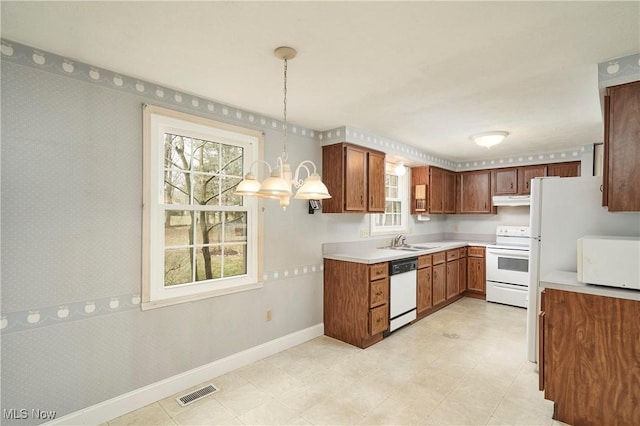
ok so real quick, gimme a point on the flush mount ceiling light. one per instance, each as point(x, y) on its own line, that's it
point(400, 169)
point(489, 139)
point(278, 185)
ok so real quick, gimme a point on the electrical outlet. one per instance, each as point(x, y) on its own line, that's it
point(364, 233)
point(267, 314)
point(457, 228)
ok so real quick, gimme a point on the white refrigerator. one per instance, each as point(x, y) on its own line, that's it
point(563, 210)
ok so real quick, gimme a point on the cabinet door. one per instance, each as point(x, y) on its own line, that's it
point(571, 169)
point(378, 319)
point(419, 184)
point(376, 198)
point(505, 181)
point(462, 275)
point(424, 289)
point(475, 192)
point(436, 188)
point(525, 174)
point(453, 269)
point(439, 284)
point(355, 179)
point(476, 274)
point(449, 192)
point(622, 148)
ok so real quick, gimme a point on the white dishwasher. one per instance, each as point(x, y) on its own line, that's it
point(403, 278)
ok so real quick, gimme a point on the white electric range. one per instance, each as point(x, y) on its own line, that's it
point(508, 266)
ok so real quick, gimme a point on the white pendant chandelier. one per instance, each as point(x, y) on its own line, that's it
point(278, 185)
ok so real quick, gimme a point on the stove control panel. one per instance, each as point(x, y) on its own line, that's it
point(512, 231)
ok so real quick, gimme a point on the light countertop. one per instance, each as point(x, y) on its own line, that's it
point(568, 281)
point(377, 255)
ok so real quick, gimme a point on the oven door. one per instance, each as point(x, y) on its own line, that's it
point(508, 265)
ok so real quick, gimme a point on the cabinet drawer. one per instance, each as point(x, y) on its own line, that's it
point(379, 292)
point(439, 257)
point(379, 270)
point(453, 255)
point(475, 252)
point(424, 261)
point(463, 252)
point(378, 319)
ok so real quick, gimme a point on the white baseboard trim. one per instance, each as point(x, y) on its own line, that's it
point(122, 404)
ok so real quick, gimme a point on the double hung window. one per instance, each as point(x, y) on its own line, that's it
point(200, 239)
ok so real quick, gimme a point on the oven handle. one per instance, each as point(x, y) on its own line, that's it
point(510, 253)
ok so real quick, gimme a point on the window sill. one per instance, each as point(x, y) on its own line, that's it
point(148, 305)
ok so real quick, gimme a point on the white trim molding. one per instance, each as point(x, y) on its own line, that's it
point(130, 401)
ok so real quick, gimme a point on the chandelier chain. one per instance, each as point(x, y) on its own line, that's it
point(285, 155)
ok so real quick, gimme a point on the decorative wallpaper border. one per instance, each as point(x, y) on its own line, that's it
point(625, 67)
point(619, 70)
point(35, 58)
point(46, 316)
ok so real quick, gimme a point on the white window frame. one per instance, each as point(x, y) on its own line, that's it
point(403, 198)
point(156, 122)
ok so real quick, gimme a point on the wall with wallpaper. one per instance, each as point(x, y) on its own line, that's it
point(73, 334)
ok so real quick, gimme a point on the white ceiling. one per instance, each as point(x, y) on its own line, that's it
point(427, 74)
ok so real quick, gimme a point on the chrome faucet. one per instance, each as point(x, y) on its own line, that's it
point(399, 240)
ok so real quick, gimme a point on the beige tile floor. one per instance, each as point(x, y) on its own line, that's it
point(463, 365)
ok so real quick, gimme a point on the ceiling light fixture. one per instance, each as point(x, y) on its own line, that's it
point(400, 169)
point(489, 139)
point(278, 185)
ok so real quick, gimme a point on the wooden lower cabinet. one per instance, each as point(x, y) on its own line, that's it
point(462, 275)
point(453, 273)
point(439, 279)
point(424, 289)
point(590, 358)
point(356, 301)
point(476, 267)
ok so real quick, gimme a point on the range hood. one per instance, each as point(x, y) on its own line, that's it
point(511, 200)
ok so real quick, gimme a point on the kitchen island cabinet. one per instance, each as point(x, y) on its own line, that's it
point(356, 301)
point(589, 357)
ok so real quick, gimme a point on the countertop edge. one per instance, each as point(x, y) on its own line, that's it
point(568, 281)
point(378, 255)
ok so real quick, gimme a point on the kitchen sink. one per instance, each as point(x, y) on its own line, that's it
point(424, 247)
point(403, 248)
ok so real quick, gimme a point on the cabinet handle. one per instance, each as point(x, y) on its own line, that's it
point(361, 200)
point(379, 293)
point(511, 187)
point(526, 185)
point(378, 320)
point(601, 188)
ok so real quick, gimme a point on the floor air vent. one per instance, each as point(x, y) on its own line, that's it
point(196, 395)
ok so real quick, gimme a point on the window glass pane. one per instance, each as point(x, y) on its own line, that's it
point(177, 266)
point(209, 228)
point(235, 226)
point(206, 156)
point(228, 187)
point(177, 186)
point(235, 260)
point(232, 160)
point(208, 263)
point(177, 228)
point(177, 151)
point(206, 190)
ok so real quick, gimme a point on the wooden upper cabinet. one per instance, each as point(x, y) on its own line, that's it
point(621, 180)
point(355, 179)
point(475, 192)
point(436, 190)
point(505, 181)
point(376, 192)
point(354, 176)
point(419, 185)
point(571, 169)
point(449, 193)
point(525, 174)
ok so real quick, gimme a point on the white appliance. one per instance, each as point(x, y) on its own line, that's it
point(511, 200)
point(610, 261)
point(403, 283)
point(562, 211)
point(508, 266)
